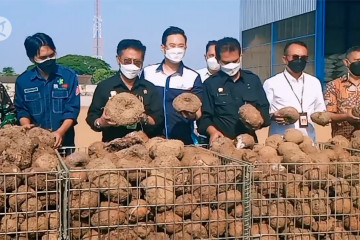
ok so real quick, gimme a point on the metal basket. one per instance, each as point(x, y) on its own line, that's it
point(352, 151)
point(176, 202)
point(31, 205)
point(306, 201)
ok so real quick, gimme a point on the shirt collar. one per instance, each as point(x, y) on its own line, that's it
point(291, 78)
point(179, 71)
point(345, 78)
point(120, 82)
point(36, 73)
point(228, 78)
point(208, 73)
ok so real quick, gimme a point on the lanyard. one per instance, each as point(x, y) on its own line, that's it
point(302, 91)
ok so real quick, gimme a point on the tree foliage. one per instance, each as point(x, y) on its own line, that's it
point(8, 71)
point(83, 64)
point(101, 74)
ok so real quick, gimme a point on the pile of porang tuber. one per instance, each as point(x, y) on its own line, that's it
point(140, 188)
point(301, 190)
point(29, 197)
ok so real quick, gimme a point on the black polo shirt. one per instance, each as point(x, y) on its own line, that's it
point(222, 98)
point(143, 89)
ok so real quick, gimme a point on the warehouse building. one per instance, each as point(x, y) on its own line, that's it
point(328, 27)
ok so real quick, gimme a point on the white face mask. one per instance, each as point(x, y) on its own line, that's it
point(212, 64)
point(231, 68)
point(175, 55)
point(130, 71)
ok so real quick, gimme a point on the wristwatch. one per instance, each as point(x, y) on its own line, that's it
point(146, 120)
point(97, 124)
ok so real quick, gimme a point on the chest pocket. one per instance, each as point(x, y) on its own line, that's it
point(34, 103)
point(223, 103)
point(58, 100)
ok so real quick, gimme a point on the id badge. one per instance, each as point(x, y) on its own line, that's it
point(303, 120)
point(132, 126)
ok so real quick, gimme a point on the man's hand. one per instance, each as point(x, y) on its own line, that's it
point(105, 121)
point(351, 118)
point(188, 115)
point(278, 118)
point(144, 119)
point(214, 134)
point(58, 138)
point(28, 126)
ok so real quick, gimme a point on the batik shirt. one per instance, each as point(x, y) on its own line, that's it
point(341, 96)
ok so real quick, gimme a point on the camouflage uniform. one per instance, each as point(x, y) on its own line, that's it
point(7, 109)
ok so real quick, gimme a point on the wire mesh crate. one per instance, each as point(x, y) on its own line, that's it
point(200, 202)
point(326, 145)
point(30, 204)
point(306, 201)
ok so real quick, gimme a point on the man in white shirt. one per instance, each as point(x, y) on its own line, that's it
point(294, 88)
point(212, 64)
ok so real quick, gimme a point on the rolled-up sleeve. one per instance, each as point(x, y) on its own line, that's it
point(207, 110)
point(19, 101)
point(72, 105)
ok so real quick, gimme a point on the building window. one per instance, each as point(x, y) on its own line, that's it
point(263, 46)
point(257, 51)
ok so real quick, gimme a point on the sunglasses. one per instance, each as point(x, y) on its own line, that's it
point(136, 62)
point(297, 57)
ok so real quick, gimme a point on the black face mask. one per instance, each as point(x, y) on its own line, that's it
point(49, 66)
point(297, 65)
point(355, 68)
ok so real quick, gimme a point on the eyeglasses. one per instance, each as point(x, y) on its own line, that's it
point(297, 57)
point(136, 62)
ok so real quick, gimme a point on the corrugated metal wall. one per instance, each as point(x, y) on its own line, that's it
point(254, 13)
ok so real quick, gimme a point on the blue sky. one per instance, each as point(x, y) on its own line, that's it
point(69, 23)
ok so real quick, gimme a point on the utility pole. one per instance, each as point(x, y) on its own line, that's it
point(97, 31)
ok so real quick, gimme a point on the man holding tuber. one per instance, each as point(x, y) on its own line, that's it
point(130, 57)
point(342, 96)
point(47, 95)
point(294, 88)
point(226, 91)
point(171, 78)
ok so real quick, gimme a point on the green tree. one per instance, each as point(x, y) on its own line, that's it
point(8, 71)
point(83, 64)
point(101, 74)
